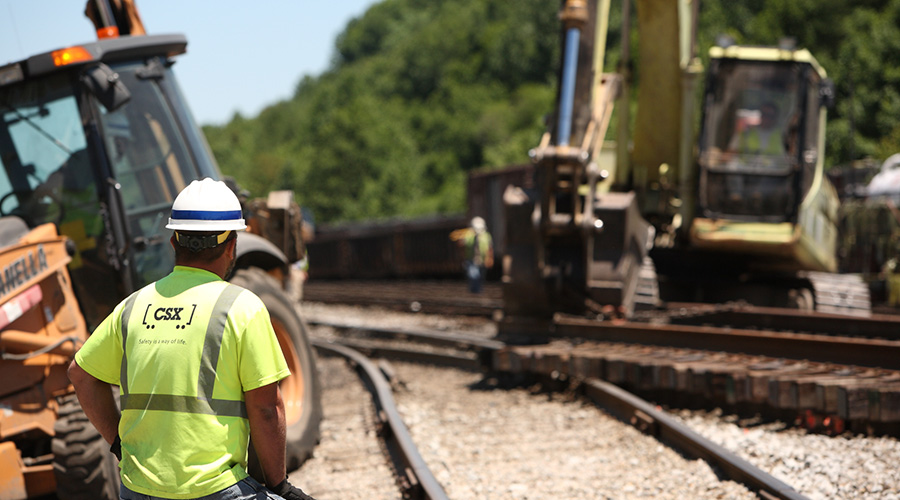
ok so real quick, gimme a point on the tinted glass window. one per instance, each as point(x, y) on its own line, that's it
point(42, 151)
point(151, 162)
point(750, 144)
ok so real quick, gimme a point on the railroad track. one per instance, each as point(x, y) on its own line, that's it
point(349, 461)
point(465, 350)
point(432, 297)
point(452, 297)
point(737, 315)
point(408, 470)
point(828, 371)
point(828, 383)
point(415, 478)
point(834, 372)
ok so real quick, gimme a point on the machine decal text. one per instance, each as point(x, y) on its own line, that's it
point(22, 270)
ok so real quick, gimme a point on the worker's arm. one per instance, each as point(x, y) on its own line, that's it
point(97, 400)
point(265, 409)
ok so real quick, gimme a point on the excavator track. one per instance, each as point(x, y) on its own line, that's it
point(840, 293)
point(646, 294)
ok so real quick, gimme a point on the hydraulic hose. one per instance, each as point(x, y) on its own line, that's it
point(567, 92)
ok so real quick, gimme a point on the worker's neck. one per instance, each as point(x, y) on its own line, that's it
point(216, 267)
point(221, 266)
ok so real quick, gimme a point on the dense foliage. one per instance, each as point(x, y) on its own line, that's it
point(420, 92)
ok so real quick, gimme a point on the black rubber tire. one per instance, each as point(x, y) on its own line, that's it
point(84, 467)
point(303, 390)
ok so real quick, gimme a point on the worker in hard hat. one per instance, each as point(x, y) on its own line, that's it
point(479, 252)
point(766, 137)
point(197, 364)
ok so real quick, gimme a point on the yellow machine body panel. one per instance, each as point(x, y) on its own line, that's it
point(40, 328)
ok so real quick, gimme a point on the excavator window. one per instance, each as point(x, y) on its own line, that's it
point(751, 137)
point(810, 145)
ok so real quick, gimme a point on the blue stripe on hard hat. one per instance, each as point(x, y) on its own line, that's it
point(206, 214)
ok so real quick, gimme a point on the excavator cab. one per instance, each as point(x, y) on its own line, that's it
point(760, 143)
point(763, 197)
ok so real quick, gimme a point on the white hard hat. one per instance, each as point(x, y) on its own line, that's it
point(478, 224)
point(206, 205)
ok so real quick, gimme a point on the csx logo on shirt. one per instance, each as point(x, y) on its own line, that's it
point(168, 313)
point(184, 315)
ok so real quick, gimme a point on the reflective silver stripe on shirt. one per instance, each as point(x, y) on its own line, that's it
point(206, 380)
point(126, 315)
point(185, 404)
point(213, 342)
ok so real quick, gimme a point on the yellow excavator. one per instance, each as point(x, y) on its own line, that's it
point(737, 210)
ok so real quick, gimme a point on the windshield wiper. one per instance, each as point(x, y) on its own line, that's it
point(27, 119)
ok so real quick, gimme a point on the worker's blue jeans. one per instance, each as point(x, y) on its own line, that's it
point(248, 489)
point(475, 276)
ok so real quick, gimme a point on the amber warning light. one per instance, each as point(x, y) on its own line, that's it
point(70, 55)
point(108, 32)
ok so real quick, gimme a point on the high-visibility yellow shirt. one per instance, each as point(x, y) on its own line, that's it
point(478, 253)
point(752, 142)
point(183, 351)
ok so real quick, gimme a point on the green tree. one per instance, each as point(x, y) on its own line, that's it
point(420, 92)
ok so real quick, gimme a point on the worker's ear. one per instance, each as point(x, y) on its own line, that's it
point(172, 240)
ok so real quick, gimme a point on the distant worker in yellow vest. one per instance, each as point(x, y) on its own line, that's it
point(479, 252)
point(765, 138)
point(197, 364)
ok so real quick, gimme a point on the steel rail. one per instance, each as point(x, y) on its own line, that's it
point(429, 297)
point(773, 318)
point(467, 361)
point(642, 414)
point(875, 353)
point(435, 337)
point(421, 482)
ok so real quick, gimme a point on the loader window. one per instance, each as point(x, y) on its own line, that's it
point(47, 176)
point(40, 138)
point(151, 161)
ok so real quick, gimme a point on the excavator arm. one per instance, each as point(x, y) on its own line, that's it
point(573, 245)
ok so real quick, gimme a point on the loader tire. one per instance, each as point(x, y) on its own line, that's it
point(84, 467)
point(301, 391)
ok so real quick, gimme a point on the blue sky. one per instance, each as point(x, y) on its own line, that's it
point(241, 56)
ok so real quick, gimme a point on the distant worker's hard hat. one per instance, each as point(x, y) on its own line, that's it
point(206, 205)
point(478, 224)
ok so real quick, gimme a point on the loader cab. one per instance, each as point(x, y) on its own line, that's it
point(99, 141)
point(761, 141)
